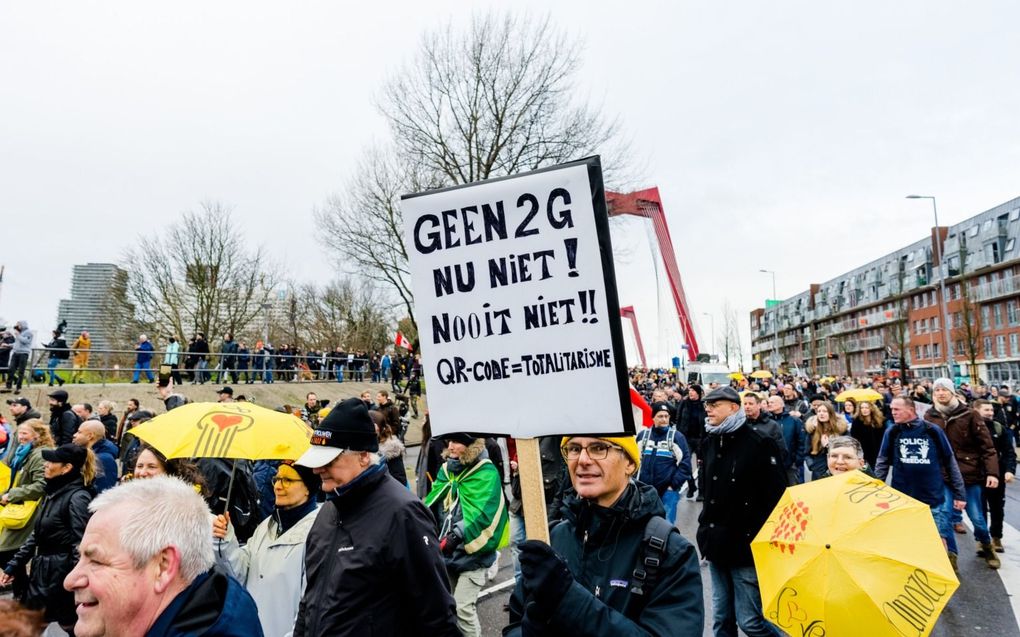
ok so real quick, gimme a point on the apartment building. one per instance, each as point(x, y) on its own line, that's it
point(890, 311)
point(91, 285)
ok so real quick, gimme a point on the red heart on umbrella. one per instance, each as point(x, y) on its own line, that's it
point(226, 420)
point(883, 505)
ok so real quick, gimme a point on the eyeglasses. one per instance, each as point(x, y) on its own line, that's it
point(596, 450)
point(286, 482)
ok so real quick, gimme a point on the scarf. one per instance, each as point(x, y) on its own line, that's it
point(950, 408)
point(19, 456)
point(729, 425)
point(478, 493)
point(55, 484)
point(286, 518)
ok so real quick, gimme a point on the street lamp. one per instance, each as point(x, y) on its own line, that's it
point(712, 319)
point(775, 321)
point(942, 284)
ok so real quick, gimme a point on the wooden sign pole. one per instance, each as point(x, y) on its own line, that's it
point(529, 467)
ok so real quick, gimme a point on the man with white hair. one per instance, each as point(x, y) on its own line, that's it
point(146, 567)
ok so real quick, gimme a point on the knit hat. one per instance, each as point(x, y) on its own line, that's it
point(627, 443)
point(663, 406)
point(347, 428)
point(697, 388)
point(465, 439)
point(944, 383)
point(307, 475)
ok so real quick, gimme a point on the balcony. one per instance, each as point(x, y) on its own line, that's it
point(861, 344)
point(997, 288)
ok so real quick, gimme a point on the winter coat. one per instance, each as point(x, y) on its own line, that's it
point(110, 423)
point(144, 353)
point(373, 565)
point(971, 442)
point(106, 456)
point(603, 546)
point(744, 479)
point(765, 424)
point(392, 453)
point(691, 420)
point(794, 437)
point(63, 424)
point(474, 508)
point(214, 605)
point(173, 353)
point(1002, 437)
point(22, 339)
point(870, 439)
point(921, 457)
point(272, 568)
point(818, 452)
point(29, 484)
point(51, 550)
point(81, 347)
point(665, 459)
point(58, 348)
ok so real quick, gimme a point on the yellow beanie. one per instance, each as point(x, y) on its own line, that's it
point(627, 443)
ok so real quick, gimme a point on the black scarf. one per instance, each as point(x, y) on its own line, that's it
point(287, 518)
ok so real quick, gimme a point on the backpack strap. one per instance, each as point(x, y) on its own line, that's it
point(671, 437)
point(650, 558)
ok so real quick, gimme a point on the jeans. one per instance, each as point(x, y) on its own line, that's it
point(736, 601)
point(975, 511)
point(201, 375)
point(669, 500)
point(51, 365)
point(339, 371)
point(518, 534)
point(138, 372)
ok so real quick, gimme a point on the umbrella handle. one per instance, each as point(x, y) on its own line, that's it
point(230, 487)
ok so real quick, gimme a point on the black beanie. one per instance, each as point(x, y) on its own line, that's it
point(465, 439)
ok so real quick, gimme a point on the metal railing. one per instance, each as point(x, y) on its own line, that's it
point(119, 365)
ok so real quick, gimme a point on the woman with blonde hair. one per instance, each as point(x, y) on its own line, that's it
point(51, 550)
point(28, 484)
point(825, 424)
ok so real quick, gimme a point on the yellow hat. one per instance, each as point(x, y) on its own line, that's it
point(627, 443)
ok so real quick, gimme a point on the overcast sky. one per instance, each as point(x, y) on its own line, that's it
point(782, 135)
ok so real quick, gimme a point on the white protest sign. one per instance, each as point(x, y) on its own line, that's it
point(516, 306)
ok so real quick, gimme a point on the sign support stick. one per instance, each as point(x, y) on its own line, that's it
point(529, 467)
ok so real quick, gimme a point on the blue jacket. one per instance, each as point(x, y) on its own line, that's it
point(144, 350)
point(795, 437)
point(665, 461)
point(917, 455)
point(215, 604)
point(106, 453)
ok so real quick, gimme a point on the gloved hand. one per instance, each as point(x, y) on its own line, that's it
point(449, 544)
point(545, 576)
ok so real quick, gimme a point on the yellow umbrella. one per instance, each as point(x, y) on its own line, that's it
point(849, 555)
point(226, 430)
point(761, 373)
point(736, 376)
point(861, 395)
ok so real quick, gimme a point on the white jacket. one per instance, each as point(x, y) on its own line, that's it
point(273, 570)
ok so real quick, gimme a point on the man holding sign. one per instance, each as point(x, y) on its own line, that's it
point(515, 297)
point(597, 577)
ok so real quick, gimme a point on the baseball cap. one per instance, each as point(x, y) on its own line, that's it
point(20, 400)
point(348, 427)
point(58, 394)
point(66, 454)
point(225, 390)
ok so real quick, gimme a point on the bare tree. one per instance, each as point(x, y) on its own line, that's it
point(494, 101)
point(340, 313)
point(198, 276)
point(969, 331)
point(729, 340)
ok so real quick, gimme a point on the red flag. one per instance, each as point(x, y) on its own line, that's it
point(642, 410)
point(401, 341)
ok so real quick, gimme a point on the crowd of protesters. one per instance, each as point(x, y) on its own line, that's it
point(328, 543)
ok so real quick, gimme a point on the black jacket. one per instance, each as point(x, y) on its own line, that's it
point(554, 478)
point(691, 420)
point(110, 423)
point(766, 424)
point(744, 479)
point(602, 547)
point(1002, 438)
point(373, 565)
point(52, 549)
point(63, 424)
